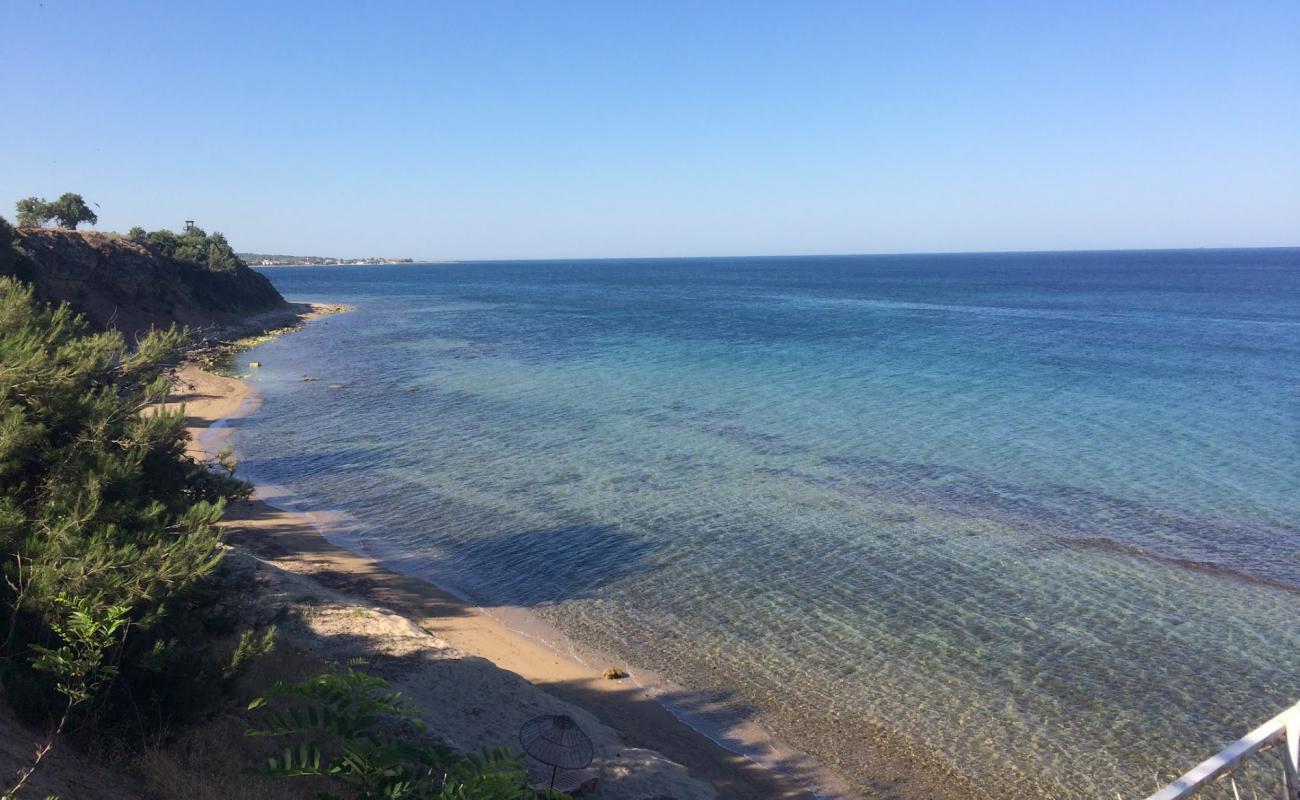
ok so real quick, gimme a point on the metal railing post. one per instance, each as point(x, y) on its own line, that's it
point(1291, 754)
point(1283, 729)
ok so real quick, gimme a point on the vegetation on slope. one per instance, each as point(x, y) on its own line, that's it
point(191, 278)
point(107, 530)
point(344, 726)
point(109, 548)
point(211, 251)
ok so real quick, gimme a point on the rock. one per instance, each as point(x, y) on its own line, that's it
point(613, 674)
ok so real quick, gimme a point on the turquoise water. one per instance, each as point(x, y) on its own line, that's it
point(1030, 517)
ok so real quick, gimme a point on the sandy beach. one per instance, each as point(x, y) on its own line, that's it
point(503, 671)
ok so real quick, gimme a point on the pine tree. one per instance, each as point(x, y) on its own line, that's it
point(99, 504)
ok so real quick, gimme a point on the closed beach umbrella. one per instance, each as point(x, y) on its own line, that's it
point(556, 741)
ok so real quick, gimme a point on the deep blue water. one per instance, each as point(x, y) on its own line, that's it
point(1033, 516)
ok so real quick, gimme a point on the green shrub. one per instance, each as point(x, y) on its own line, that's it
point(99, 506)
point(77, 665)
point(343, 726)
point(195, 246)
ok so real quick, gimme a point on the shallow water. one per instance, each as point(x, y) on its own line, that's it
point(1031, 516)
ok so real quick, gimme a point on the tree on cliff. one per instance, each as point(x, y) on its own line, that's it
point(70, 210)
point(221, 256)
point(33, 212)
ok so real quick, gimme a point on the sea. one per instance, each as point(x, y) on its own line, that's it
point(1032, 519)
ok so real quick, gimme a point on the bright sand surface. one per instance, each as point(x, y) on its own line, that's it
point(510, 640)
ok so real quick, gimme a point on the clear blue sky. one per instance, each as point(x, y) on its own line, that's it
point(520, 130)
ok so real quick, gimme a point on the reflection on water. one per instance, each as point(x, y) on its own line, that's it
point(1030, 516)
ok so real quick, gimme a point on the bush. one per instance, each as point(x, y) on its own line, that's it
point(77, 666)
point(212, 252)
point(344, 723)
point(100, 508)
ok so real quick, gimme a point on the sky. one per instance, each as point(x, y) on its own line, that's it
point(486, 130)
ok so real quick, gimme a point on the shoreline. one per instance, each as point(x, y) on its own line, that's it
point(511, 638)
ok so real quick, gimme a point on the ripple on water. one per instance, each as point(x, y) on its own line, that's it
point(1028, 520)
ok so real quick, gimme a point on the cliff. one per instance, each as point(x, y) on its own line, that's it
point(132, 286)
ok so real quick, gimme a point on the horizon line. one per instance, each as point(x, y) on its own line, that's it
point(827, 255)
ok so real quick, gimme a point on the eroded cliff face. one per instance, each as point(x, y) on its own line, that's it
point(125, 285)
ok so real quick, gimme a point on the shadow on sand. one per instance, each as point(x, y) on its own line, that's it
point(641, 721)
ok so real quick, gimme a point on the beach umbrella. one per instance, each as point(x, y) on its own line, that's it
point(556, 741)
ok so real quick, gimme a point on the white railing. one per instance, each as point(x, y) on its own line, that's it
point(1283, 730)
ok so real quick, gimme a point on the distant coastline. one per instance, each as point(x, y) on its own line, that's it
point(269, 260)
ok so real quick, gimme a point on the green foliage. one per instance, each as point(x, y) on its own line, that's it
point(250, 647)
point(32, 212)
point(137, 234)
point(217, 277)
point(212, 252)
point(164, 241)
point(344, 727)
point(221, 256)
point(70, 210)
point(100, 508)
point(108, 534)
point(78, 665)
point(96, 500)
